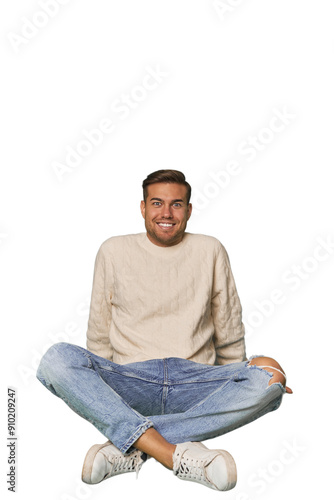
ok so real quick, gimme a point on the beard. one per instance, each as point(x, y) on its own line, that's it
point(164, 239)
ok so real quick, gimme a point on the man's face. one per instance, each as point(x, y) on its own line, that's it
point(166, 213)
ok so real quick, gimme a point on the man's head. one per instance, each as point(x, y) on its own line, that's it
point(166, 208)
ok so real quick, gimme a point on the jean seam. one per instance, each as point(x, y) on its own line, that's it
point(231, 377)
point(82, 351)
point(208, 397)
point(129, 375)
point(165, 387)
point(257, 414)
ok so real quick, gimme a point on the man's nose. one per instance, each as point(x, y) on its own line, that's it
point(166, 211)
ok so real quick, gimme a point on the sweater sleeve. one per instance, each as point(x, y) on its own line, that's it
point(226, 312)
point(98, 341)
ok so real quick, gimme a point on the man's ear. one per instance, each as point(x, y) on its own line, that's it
point(142, 208)
point(190, 209)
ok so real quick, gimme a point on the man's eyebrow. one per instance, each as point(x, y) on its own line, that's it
point(173, 201)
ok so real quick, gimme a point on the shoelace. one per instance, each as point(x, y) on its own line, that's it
point(191, 468)
point(124, 463)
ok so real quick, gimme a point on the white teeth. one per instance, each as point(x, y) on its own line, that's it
point(164, 225)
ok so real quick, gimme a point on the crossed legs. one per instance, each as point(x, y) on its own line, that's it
point(152, 443)
point(154, 406)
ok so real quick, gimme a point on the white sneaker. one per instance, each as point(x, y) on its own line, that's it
point(105, 460)
point(213, 468)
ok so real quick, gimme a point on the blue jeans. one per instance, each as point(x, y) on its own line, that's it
point(181, 399)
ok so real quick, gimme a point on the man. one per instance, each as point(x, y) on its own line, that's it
point(165, 365)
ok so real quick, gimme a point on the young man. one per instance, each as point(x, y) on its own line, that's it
point(165, 365)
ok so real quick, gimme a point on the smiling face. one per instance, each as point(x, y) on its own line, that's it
point(166, 213)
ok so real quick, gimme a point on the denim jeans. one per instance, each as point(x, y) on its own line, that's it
point(181, 399)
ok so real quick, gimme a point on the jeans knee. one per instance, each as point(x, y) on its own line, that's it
point(53, 361)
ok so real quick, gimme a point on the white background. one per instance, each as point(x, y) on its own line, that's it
point(225, 77)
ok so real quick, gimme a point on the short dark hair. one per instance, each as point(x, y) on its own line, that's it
point(168, 176)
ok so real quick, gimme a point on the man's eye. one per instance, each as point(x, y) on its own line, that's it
point(156, 203)
point(177, 204)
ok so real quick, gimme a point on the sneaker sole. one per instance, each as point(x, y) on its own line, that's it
point(89, 461)
point(231, 470)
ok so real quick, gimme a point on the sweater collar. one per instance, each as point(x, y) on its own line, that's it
point(162, 251)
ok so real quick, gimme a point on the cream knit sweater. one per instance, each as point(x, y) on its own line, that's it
point(151, 302)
